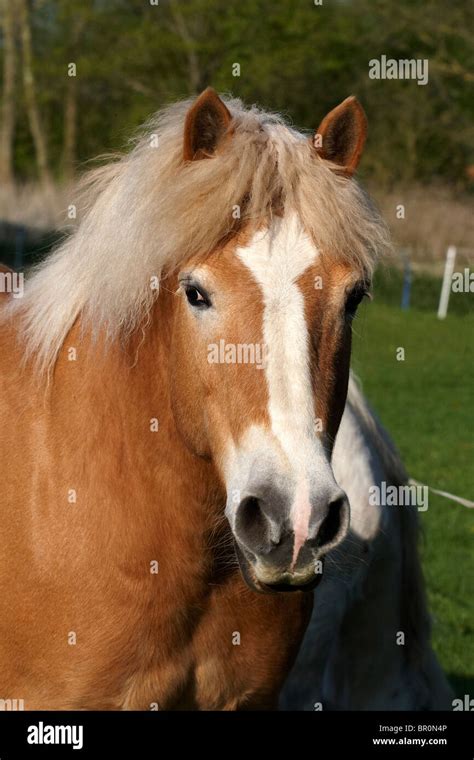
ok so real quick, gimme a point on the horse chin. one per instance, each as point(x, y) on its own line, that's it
point(255, 584)
point(247, 572)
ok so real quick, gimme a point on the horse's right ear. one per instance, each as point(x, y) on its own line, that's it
point(205, 124)
point(341, 135)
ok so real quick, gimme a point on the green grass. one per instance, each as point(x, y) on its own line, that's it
point(427, 404)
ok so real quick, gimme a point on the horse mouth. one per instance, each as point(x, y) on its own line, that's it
point(255, 584)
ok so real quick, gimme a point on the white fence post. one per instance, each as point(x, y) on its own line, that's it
point(447, 280)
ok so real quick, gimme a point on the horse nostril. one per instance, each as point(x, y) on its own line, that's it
point(250, 520)
point(333, 522)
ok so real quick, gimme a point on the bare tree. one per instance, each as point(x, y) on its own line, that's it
point(70, 128)
point(70, 104)
point(7, 127)
point(181, 28)
point(31, 102)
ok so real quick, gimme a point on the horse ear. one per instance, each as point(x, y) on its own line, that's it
point(341, 135)
point(205, 124)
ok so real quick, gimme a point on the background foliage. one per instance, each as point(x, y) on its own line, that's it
point(295, 57)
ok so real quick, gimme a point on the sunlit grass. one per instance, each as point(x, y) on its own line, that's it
point(427, 404)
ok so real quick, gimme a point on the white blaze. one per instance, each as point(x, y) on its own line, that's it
point(277, 258)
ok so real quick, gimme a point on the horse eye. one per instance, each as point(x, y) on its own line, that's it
point(196, 298)
point(353, 300)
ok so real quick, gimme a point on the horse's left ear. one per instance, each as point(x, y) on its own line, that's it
point(341, 135)
point(205, 124)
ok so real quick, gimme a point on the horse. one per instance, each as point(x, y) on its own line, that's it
point(367, 646)
point(172, 384)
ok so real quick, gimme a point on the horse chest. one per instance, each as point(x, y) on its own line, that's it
point(236, 656)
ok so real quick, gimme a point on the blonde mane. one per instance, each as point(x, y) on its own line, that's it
point(149, 211)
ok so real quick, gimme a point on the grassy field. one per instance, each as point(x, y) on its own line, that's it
point(427, 404)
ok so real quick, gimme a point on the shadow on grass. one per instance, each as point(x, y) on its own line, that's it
point(21, 247)
point(462, 685)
